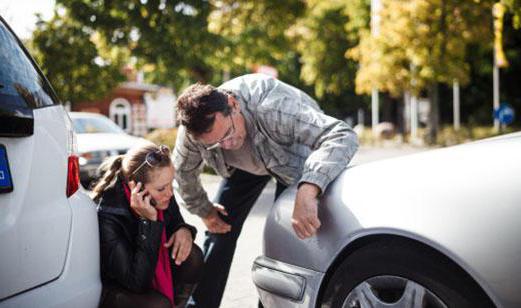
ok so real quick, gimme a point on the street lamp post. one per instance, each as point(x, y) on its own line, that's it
point(500, 60)
point(495, 85)
point(456, 105)
point(376, 6)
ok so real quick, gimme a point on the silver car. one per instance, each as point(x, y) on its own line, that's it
point(435, 229)
point(99, 138)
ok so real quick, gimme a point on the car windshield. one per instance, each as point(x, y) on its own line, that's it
point(95, 125)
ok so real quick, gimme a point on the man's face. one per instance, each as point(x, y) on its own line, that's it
point(228, 131)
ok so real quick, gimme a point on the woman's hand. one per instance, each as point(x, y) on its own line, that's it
point(181, 241)
point(140, 201)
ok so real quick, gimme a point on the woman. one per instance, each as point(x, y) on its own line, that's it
point(148, 258)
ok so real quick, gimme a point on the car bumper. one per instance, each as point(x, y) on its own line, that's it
point(79, 285)
point(284, 285)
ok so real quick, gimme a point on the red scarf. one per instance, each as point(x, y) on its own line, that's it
point(163, 275)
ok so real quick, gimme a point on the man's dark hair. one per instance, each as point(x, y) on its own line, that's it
point(197, 105)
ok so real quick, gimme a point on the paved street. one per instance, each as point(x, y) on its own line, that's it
point(240, 291)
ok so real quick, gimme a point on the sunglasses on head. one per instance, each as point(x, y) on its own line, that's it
point(152, 159)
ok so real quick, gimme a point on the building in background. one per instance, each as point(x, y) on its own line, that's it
point(135, 106)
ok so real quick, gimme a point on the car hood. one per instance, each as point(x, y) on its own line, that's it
point(107, 142)
point(464, 201)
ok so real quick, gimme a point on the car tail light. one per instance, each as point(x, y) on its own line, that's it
point(73, 165)
point(73, 175)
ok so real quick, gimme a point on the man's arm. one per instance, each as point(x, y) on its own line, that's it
point(293, 117)
point(334, 144)
point(187, 163)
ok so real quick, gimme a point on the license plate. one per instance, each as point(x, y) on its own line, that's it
point(6, 183)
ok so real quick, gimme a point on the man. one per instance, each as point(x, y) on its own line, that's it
point(249, 130)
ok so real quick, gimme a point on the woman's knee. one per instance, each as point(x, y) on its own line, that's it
point(192, 268)
point(158, 301)
point(196, 254)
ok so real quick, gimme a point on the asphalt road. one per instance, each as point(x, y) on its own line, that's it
point(240, 291)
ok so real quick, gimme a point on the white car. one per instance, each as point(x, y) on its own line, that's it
point(99, 138)
point(49, 242)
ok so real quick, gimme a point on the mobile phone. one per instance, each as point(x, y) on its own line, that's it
point(152, 201)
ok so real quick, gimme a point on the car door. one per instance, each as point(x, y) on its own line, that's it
point(35, 216)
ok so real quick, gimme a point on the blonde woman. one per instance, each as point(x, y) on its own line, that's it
point(148, 258)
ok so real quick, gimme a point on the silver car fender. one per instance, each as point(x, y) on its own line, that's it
point(463, 201)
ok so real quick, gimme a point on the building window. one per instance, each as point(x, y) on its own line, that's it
point(120, 113)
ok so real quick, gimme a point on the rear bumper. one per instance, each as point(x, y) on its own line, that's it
point(284, 285)
point(79, 285)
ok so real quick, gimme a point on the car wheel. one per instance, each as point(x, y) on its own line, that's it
point(398, 273)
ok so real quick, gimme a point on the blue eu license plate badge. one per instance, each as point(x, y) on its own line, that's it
point(6, 183)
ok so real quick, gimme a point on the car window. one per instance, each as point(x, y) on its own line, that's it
point(21, 84)
point(95, 125)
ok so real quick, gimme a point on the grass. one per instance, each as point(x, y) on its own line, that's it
point(447, 136)
point(164, 136)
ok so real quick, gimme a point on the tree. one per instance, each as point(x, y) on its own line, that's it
point(171, 35)
point(322, 36)
point(254, 32)
point(421, 44)
point(77, 64)
point(514, 7)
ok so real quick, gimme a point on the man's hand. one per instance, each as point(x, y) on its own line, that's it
point(305, 213)
point(214, 223)
point(182, 245)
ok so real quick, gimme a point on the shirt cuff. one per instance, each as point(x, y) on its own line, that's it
point(319, 179)
point(202, 210)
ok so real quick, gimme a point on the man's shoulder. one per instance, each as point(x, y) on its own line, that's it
point(262, 94)
point(248, 80)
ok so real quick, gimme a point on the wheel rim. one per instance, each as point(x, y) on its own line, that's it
point(391, 292)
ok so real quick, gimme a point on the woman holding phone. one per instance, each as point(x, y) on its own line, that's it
point(148, 258)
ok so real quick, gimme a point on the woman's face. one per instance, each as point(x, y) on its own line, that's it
point(160, 185)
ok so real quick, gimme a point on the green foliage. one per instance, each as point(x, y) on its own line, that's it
point(79, 67)
point(171, 35)
point(167, 137)
point(178, 42)
point(322, 40)
point(163, 136)
point(420, 42)
point(448, 136)
point(254, 31)
point(322, 47)
point(514, 7)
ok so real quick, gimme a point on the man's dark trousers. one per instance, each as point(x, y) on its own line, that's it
point(237, 194)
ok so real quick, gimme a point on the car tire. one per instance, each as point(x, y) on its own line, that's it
point(405, 262)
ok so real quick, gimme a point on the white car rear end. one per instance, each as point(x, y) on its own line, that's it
point(48, 228)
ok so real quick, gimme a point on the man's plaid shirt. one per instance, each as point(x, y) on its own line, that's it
point(294, 139)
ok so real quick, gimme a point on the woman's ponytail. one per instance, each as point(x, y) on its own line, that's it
point(110, 169)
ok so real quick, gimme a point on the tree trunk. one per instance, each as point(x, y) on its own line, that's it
point(434, 114)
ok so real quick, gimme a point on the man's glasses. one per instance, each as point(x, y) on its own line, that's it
point(152, 159)
point(229, 134)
